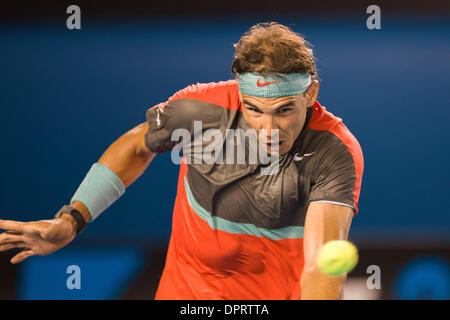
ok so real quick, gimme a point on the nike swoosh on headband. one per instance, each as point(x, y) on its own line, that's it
point(258, 85)
point(263, 84)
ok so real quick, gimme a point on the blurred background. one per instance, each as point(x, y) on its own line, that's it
point(66, 95)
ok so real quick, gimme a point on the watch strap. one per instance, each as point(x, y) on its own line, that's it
point(81, 223)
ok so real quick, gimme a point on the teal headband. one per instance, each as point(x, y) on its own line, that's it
point(255, 84)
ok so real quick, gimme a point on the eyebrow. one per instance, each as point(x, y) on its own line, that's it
point(287, 104)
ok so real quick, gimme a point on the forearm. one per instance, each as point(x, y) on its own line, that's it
point(127, 157)
point(318, 286)
point(324, 222)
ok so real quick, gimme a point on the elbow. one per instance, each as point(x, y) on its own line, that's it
point(138, 137)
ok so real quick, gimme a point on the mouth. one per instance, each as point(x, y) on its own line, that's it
point(274, 145)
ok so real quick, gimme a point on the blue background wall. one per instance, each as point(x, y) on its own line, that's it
point(65, 96)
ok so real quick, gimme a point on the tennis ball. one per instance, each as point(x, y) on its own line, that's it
point(337, 257)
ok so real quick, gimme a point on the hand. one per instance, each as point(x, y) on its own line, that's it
point(37, 237)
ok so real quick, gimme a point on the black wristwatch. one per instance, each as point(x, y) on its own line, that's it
point(81, 224)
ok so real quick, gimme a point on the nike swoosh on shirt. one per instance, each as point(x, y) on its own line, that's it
point(263, 84)
point(158, 117)
point(297, 157)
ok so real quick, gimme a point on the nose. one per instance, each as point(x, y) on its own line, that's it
point(269, 128)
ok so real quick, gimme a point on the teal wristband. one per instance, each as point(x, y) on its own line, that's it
point(99, 189)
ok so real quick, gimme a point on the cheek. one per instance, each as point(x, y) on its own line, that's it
point(253, 122)
point(293, 126)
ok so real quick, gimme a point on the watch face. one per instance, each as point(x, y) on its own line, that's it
point(62, 211)
point(75, 215)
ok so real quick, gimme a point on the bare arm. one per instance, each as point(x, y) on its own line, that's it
point(324, 222)
point(127, 157)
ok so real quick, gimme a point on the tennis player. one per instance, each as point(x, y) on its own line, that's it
point(237, 233)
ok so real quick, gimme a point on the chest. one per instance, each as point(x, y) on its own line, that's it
point(247, 196)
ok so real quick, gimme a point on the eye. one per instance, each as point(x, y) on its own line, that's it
point(284, 110)
point(254, 109)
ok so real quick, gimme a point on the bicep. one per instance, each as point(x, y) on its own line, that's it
point(134, 139)
point(324, 222)
point(128, 157)
point(140, 133)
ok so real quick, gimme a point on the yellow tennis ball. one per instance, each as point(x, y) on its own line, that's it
point(337, 257)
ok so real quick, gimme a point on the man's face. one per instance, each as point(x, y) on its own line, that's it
point(287, 114)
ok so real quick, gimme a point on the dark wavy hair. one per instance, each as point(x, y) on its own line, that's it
point(272, 48)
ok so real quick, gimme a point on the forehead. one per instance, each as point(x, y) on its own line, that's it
point(268, 101)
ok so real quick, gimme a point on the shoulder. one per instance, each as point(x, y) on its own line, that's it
point(198, 101)
point(211, 103)
point(338, 160)
point(331, 137)
point(222, 93)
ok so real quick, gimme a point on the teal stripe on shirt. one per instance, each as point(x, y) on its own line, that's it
point(240, 228)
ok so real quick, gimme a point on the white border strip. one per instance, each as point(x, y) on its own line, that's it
point(334, 202)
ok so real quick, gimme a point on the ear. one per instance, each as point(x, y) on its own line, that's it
point(240, 96)
point(312, 92)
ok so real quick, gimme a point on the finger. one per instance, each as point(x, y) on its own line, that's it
point(11, 225)
point(11, 232)
point(22, 256)
point(9, 246)
point(7, 237)
point(36, 228)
